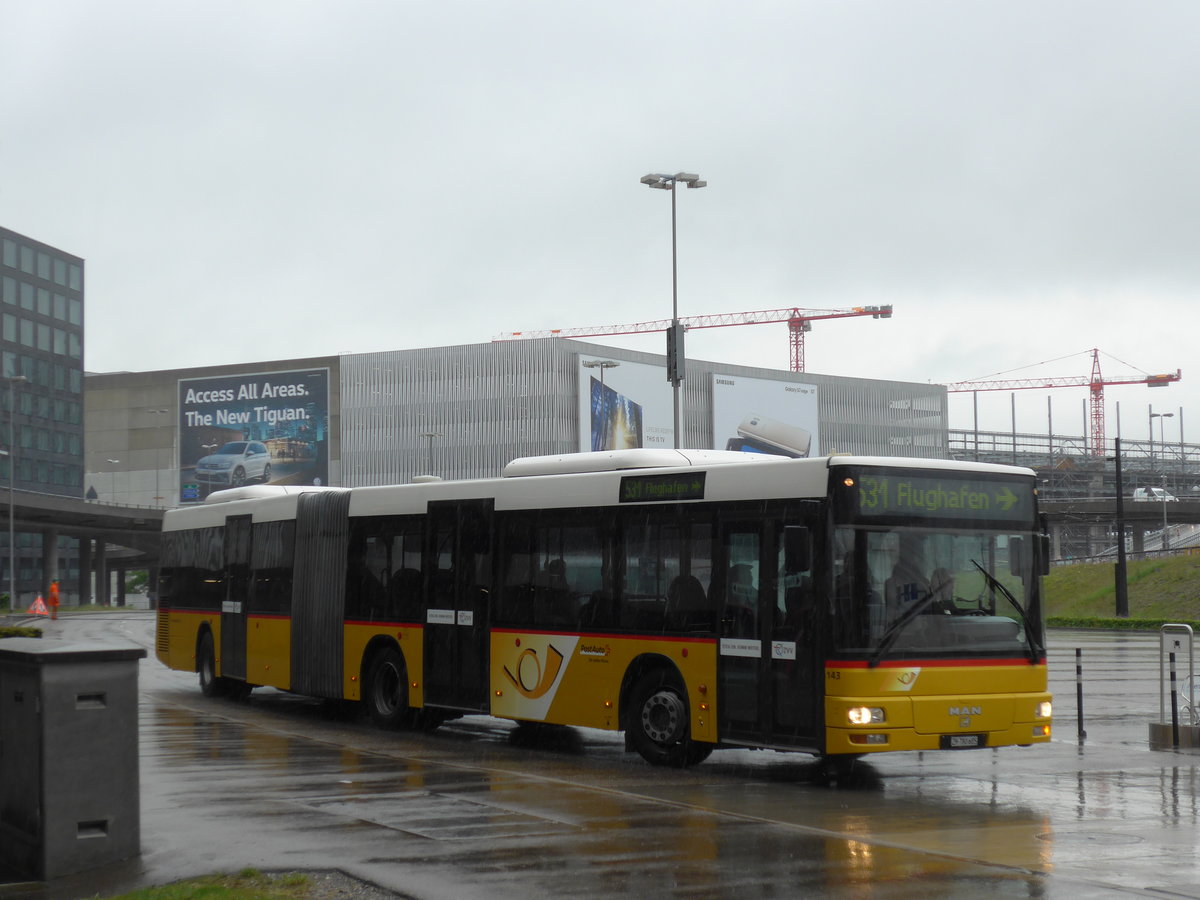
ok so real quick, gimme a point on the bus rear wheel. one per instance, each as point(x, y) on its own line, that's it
point(206, 665)
point(659, 723)
point(386, 696)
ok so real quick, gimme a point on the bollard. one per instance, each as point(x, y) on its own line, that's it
point(1079, 692)
point(1174, 705)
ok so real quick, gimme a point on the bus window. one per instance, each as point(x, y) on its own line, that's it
point(555, 573)
point(794, 598)
point(383, 572)
point(193, 562)
point(651, 562)
point(404, 584)
point(947, 591)
point(443, 568)
point(272, 553)
point(668, 574)
point(740, 616)
point(690, 607)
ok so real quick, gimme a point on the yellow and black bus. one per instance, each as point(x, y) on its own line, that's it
point(693, 599)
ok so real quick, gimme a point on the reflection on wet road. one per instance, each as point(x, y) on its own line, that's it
point(484, 808)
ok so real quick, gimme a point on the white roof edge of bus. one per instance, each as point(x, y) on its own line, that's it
point(260, 491)
point(912, 462)
point(616, 460)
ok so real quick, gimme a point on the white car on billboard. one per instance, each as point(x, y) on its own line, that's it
point(235, 463)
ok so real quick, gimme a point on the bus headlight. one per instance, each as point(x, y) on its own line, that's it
point(865, 715)
point(1043, 709)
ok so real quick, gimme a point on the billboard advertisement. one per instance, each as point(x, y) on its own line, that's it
point(624, 405)
point(262, 428)
point(763, 416)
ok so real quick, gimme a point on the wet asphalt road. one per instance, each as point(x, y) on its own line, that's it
point(485, 809)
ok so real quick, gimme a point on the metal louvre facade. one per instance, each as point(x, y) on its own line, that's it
point(458, 412)
point(464, 411)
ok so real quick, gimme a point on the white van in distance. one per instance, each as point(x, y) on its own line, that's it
point(1153, 494)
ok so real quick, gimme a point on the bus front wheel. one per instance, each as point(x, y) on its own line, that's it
point(658, 723)
point(387, 690)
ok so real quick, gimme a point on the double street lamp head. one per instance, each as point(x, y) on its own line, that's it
point(667, 182)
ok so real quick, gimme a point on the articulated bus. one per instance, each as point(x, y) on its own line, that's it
point(838, 606)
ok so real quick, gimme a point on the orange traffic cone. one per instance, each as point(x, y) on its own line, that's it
point(39, 607)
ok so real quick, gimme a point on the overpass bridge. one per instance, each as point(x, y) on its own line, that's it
point(1099, 516)
point(133, 531)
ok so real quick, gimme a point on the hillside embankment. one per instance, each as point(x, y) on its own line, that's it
point(1161, 590)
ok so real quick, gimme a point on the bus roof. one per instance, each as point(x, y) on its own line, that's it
point(617, 460)
point(575, 479)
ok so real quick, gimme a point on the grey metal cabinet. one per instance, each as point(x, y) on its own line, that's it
point(69, 798)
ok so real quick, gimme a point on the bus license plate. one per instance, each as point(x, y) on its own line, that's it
point(963, 741)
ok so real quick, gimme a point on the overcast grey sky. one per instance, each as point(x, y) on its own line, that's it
point(261, 180)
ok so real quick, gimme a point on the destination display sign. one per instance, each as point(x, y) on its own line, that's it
point(662, 488)
point(878, 494)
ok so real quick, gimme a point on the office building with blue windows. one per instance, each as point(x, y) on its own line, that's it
point(41, 376)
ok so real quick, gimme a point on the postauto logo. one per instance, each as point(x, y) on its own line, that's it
point(533, 678)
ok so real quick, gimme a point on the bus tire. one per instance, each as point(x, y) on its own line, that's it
point(698, 752)
point(386, 696)
point(839, 765)
point(659, 722)
point(429, 720)
point(206, 665)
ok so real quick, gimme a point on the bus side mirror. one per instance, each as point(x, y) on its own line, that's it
point(797, 549)
point(1044, 544)
point(1016, 556)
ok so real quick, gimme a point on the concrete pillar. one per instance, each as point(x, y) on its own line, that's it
point(103, 585)
point(49, 560)
point(85, 571)
point(121, 585)
point(1139, 540)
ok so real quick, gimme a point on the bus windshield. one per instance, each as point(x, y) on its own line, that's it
point(931, 592)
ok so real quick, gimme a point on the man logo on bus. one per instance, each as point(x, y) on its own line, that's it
point(531, 679)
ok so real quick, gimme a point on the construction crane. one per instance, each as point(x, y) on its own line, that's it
point(1094, 382)
point(799, 322)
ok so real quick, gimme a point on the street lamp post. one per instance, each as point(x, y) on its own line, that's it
point(675, 355)
point(1122, 572)
point(157, 460)
point(600, 364)
point(1163, 444)
point(1166, 540)
point(1161, 440)
point(112, 482)
point(13, 381)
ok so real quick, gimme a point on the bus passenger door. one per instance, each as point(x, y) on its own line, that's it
point(740, 706)
point(794, 663)
point(459, 565)
point(237, 595)
point(767, 640)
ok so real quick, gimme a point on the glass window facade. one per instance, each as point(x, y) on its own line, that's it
point(41, 340)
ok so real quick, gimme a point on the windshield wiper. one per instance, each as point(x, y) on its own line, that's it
point(894, 630)
point(995, 583)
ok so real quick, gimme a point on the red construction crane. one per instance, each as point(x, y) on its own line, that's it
point(799, 321)
point(1094, 382)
